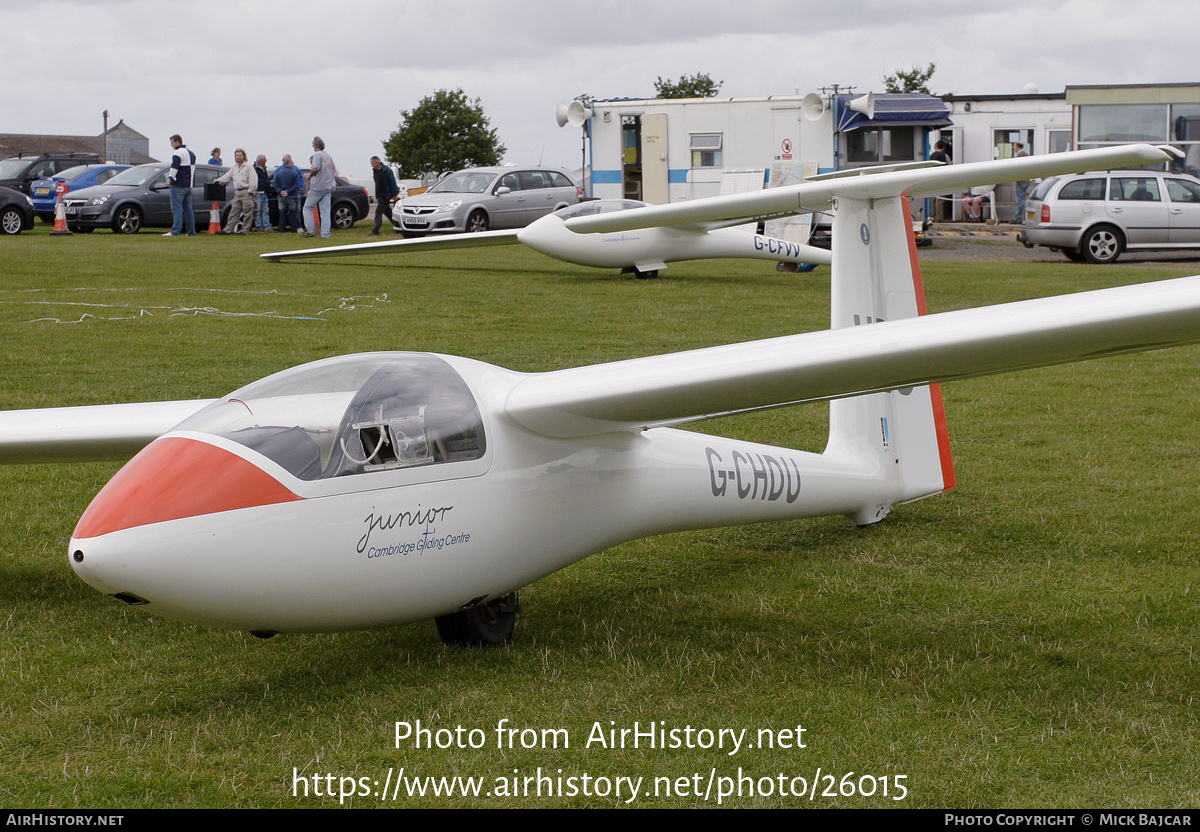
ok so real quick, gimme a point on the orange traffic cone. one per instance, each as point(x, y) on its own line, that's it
point(60, 220)
point(214, 219)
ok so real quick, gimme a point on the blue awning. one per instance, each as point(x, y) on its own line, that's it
point(911, 109)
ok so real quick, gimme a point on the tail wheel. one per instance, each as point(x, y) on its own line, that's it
point(482, 625)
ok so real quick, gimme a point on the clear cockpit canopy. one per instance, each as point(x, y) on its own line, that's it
point(352, 415)
point(597, 206)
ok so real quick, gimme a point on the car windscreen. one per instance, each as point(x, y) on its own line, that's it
point(1044, 187)
point(139, 175)
point(464, 182)
point(13, 168)
point(72, 173)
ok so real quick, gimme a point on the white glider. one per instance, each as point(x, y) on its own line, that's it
point(643, 252)
point(375, 489)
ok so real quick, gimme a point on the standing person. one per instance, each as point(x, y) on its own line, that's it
point(386, 191)
point(1020, 187)
point(245, 184)
point(289, 183)
point(262, 198)
point(320, 188)
point(216, 157)
point(181, 177)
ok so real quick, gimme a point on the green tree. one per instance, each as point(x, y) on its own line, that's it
point(700, 85)
point(446, 131)
point(913, 79)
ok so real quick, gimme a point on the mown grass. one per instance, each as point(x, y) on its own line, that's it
point(1027, 640)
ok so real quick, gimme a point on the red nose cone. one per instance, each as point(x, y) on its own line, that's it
point(173, 478)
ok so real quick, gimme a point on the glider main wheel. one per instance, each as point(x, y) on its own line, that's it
point(477, 221)
point(11, 221)
point(650, 275)
point(483, 625)
point(128, 220)
point(1102, 245)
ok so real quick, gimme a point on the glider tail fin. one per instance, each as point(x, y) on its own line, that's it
point(900, 436)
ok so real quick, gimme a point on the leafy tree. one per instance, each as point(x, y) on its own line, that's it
point(913, 79)
point(700, 85)
point(446, 131)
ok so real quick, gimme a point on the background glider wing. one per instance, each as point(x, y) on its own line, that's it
point(85, 434)
point(819, 195)
point(699, 384)
point(478, 240)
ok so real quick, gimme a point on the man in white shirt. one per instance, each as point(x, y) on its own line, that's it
point(245, 185)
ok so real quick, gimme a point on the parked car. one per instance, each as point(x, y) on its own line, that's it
point(349, 204)
point(482, 198)
point(140, 197)
point(44, 192)
point(136, 198)
point(1093, 217)
point(20, 172)
point(16, 211)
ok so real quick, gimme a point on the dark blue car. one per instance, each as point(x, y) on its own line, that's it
point(44, 194)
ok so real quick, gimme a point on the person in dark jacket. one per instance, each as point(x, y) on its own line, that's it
point(386, 191)
point(262, 199)
point(289, 183)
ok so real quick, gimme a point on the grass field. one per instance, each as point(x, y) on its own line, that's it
point(1027, 640)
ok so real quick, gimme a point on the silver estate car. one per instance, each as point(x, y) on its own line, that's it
point(1093, 217)
point(479, 199)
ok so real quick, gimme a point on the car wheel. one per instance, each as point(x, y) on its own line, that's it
point(1101, 245)
point(127, 220)
point(11, 221)
point(477, 221)
point(344, 216)
point(1073, 254)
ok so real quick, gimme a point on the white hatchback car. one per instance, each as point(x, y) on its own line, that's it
point(1093, 217)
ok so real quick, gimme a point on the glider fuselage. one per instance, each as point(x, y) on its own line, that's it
point(233, 539)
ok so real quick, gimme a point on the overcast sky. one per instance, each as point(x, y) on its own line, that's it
point(243, 74)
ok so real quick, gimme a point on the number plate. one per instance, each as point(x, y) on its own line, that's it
point(41, 191)
point(415, 222)
point(69, 210)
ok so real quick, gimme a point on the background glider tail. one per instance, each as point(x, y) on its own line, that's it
point(900, 434)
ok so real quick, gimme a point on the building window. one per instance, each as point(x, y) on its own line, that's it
point(875, 145)
point(1122, 123)
point(1003, 142)
point(706, 150)
point(1059, 140)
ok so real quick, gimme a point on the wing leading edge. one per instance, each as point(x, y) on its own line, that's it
point(700, 384)
point(482, 239)
point(88, 434)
